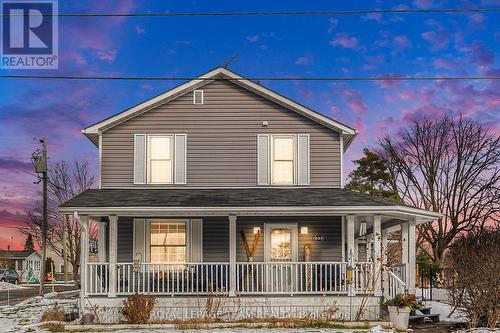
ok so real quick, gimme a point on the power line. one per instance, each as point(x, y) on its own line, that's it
point(297, 78)
point(272, 13)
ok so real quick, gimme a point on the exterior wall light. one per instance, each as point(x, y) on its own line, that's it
point(256, 230)
point(304, 230)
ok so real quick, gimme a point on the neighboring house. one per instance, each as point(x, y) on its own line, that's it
point(190, 178)
point(23, 262)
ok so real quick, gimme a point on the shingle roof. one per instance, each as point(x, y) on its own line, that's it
point(15, 254)
point(244, 197)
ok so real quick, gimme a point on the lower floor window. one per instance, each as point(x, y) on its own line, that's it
point(168, 242)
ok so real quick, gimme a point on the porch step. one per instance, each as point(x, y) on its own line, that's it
point(424, 310)
point(422, 315)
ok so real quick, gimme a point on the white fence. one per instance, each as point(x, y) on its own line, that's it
point(252, 278)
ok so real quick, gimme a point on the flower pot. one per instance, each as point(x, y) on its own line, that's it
point(399, 317)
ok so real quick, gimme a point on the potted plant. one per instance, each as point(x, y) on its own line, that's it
point(399, 309)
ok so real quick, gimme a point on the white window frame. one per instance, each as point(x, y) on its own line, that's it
point(148, 157)
point(271, 157)
point(187, 236)
point(202, 96)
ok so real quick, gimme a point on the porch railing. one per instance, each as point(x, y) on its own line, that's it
point(172, 278)
point(300, 277)
point(97, 278)
point(213, 278)
point(394, 278)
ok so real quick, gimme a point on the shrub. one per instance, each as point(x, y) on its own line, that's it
point(471, 275)
point(54, 314)
point(138, 308)
point(403, 301)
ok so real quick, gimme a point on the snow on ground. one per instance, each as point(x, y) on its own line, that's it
point(444, 310)
point(268, 330)
point(13, 318)
point(9, 286)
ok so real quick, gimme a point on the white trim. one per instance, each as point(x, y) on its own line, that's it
point(147, 237)
point(148, 158)
point(194, 96)
point(308, 158)
point(341, 146)
point(294, 161)
point(100, 159)
point(342, 232)
point(160, 99)
point(268, 137)
point(424, 215)
point(145, 160)
point(184, 181)
point(294, 227)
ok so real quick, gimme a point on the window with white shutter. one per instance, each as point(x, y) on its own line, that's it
point(283, 159)
point(160, 158)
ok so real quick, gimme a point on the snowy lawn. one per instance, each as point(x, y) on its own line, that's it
point(9, 286)
point(13, 318)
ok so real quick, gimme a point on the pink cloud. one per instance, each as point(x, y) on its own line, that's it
point(305, 60)
point(345, 40)
point(253, 39)
point(333, 23)
point(437, 40)
point(109, 55)
point(354, 100)
point(402, 41)
point(406, 95)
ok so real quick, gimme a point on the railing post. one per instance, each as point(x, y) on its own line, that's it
point(350, 252)
point(232, 255)
point(84, 257)
point(113, 230)
point(411, 256)
point(377, 256)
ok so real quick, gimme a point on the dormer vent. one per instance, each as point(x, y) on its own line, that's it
point(198, 97)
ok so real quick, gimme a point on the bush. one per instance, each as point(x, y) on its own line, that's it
point(471, 276)
point(403, 301)
point(54, 314)
point(138, 308)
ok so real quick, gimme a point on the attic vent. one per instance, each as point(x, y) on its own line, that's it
point(198, 97)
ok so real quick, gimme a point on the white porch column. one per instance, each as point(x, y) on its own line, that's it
point(351, 248)
point(412, 260)
point(101, 242)
point(368, 247)
point(377, 256)
point(385, 237)
point(404, 249)
point(232, 255)
point(113, 231)
point(84, 257)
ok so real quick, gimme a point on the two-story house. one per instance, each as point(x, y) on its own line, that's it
point(222, 186)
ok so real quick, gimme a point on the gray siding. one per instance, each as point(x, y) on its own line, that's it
point(221, 138)
point(125, 239)
point(216, 237)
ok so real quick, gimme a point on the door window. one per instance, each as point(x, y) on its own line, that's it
point(281, 244)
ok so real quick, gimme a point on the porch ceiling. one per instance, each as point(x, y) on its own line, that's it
point(242, 201)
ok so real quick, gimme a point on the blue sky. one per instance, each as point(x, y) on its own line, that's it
point(264, 46)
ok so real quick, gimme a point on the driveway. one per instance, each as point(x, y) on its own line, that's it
point(16, 296)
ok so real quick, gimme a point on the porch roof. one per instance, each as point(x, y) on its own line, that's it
point(307, 199)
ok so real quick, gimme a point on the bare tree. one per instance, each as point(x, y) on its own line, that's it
point(65, 182)
point(449, 166)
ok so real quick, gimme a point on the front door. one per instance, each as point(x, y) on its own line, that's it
point(280, 250)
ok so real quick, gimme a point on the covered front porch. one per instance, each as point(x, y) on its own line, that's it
point(247, 251)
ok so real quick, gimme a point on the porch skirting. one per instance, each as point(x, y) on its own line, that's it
point(228, 309)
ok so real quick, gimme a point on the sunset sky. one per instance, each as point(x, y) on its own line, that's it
point(431, 44)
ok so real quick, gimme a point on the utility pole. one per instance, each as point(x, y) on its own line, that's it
point(40, 163)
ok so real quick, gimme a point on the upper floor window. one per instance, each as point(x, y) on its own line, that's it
point(283, 159)
point(160, 158)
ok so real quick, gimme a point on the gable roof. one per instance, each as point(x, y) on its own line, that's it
point(12, 254)
point(93, 131)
